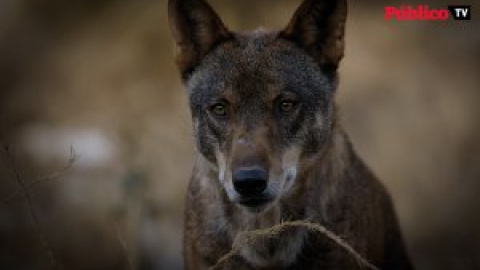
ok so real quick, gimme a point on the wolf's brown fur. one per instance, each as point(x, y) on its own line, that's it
point(264, 102)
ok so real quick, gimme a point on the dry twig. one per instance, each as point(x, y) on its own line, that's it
point(124, 246)
point(40, 180)
point(25, 191)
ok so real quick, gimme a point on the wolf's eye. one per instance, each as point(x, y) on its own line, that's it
point(287, 106)
point(219, 109)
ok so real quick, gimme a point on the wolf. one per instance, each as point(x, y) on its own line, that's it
point(271, 148)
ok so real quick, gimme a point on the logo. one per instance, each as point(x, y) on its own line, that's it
point(425, 13)
point(460, 12)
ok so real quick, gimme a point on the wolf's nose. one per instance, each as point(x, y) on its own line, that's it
point(250, 182)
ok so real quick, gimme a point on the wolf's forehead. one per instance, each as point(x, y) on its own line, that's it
point(257, 64)
point(263, 53)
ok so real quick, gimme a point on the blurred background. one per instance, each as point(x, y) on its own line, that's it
point(97, 76)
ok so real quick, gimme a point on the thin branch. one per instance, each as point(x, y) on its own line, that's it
point(43, 179)
point(25, 191)
point(124, 245)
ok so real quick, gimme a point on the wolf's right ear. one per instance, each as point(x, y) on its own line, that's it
point(197, 29)
point(318, 27)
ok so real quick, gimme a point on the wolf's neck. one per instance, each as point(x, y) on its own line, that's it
point(333, 163)
point(328, 176)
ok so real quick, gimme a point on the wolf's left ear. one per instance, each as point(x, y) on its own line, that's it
point(196, 29)
point(318, 26)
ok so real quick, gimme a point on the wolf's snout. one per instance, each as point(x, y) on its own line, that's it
point(250, 182)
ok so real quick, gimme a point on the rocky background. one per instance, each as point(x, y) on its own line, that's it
point(94, 80)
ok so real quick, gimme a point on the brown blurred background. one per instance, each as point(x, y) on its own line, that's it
point(98, 76)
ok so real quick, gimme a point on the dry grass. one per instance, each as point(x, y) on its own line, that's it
point(275, 231)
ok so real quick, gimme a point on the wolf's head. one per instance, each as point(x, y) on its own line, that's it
point(262, 103)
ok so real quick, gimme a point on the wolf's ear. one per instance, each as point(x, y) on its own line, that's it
point(196, 29)
point(318, 26)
